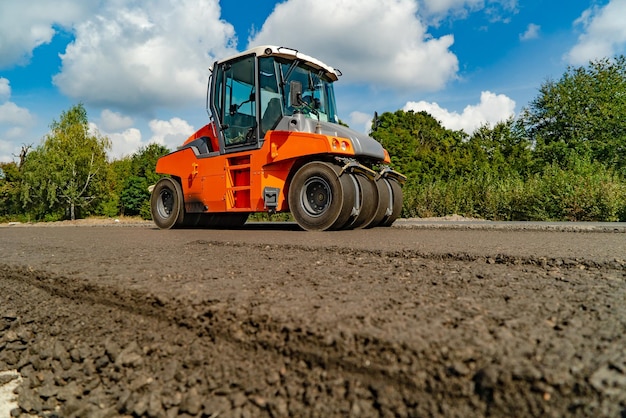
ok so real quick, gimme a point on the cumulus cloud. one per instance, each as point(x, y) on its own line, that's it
point(436, 10)
point(493, 108)
point(126, 140)
point(135, 57)
point(7, 149)
point(14, 122)
point(114, 121)
point(10, 113)
point(381, 42)
point(25, 25)
point(532, 32)
point(170, 133)
point(123, 143)
point(361, 122)
point(604, 33)
point(5, 89)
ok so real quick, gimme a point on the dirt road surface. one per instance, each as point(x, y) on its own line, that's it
point(271, 321)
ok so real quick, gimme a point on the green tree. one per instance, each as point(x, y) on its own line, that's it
point(502, 149)
point(68, 170)
point(419, 146)
point(10, 183)
point(134, 197)
point(581, 115)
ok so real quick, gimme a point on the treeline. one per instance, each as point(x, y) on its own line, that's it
point(564, 158)
point(69, 176)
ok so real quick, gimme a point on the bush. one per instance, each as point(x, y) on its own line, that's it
point(584, 192)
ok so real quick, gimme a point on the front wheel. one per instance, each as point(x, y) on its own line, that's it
point(321, 198)
point(166, 204)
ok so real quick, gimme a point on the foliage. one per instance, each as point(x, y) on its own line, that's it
point(563, 159)
point(419, 146)
point(68, 170)
point(134, 197)
point(581, 115)
point(591, 193)
point(10, 181)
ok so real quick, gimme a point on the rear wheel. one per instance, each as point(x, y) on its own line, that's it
point(396, 202)
point(166, 204)
point(367, 202)
point(320, 197)
point(384, 205)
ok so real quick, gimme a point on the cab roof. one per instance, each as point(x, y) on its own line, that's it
point(288, 53)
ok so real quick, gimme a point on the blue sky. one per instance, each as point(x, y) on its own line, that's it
point(140, 67)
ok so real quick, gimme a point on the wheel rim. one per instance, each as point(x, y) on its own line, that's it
point(316, 196)
point(165, 204)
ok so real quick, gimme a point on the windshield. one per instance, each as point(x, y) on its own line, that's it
point(318, 98)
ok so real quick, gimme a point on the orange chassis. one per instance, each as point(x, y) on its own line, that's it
point(239, 181)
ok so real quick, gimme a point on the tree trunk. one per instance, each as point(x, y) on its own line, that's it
point(72, 212)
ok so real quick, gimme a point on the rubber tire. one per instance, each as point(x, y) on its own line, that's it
point(396, 198)
point(368, 202)
point(336, 193)
point(384, 203)
point(166, 204)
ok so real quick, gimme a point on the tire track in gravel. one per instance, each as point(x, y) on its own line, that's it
point(350, 364)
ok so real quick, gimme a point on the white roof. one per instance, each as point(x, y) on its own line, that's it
point(281, 51)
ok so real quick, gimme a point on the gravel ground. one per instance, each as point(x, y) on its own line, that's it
point(273, 321)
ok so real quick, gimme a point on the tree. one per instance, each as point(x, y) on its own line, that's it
point(10, 182)
point(135, 198)
point(502, 149)
point(581, 115)
point(68, 170)
point(419, 146)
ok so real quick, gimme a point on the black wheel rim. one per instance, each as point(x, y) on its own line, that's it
point(165, 203)
point(316, 196)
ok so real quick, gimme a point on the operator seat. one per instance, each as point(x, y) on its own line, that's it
point(271, 115)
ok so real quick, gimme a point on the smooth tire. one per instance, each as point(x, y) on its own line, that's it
point(384, 207)
point(321, 197)
point(396, 202)
point(367, 202)
point(166, 204)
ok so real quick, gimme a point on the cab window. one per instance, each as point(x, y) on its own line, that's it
point(238, 112)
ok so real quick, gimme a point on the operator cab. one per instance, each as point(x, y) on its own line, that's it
point(252, 92)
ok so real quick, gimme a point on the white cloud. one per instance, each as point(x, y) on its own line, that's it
point(491, 110)
point(14, 121)
point(604, 33)
point(532, 32)
point(5, 89)
point(133, 57)
point(381, 42)
point(361, 122)
point(12, 114)
point(171, 133)
point(436, 10)
point(114, 121)
point(126, 140)
point(7, 149)
point(125, 143)
point(25, 25)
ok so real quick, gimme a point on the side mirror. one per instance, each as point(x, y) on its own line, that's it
point(295, 93)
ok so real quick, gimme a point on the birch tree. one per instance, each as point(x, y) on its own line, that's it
point(68, 170)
